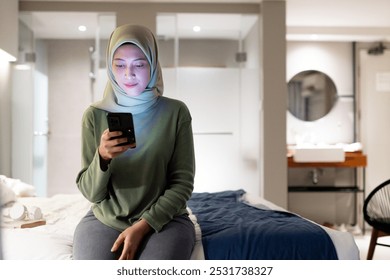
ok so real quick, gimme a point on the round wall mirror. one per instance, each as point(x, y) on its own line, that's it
point(311, 95)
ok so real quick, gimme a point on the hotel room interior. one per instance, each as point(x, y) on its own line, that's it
point(236, 64)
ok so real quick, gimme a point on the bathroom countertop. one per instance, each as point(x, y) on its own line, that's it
point(352, 159)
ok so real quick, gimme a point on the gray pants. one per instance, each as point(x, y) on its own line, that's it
point(93, 241)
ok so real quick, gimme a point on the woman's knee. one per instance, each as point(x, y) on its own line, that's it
point(93, 240)
point(174, 242)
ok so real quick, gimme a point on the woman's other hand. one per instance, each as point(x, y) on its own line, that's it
point(131, 238)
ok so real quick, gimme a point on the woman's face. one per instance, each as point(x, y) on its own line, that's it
point(131, 69)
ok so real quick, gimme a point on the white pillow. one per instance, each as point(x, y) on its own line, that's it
point(6, 194)
point(17, 186)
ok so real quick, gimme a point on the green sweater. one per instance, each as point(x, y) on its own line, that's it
point(152, 181)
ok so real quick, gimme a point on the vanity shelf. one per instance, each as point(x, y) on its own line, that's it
point(355, 160)
point(352, 160)
point(325, 189)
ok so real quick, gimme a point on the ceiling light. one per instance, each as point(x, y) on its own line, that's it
point(196, 28)
point(82, 28)
point(22, 67)
point(314, 36)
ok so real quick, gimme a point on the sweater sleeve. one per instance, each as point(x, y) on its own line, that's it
point(91, 180)
point(180, 179)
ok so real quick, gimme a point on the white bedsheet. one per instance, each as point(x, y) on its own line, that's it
point(63, 213)
point(51, 241)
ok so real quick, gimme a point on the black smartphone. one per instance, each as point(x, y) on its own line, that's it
point(122, 122)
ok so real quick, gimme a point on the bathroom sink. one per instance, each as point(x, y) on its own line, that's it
point(319, 154)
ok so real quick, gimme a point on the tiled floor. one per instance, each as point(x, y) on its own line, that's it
point(381, 252)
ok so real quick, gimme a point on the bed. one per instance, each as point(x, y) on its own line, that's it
point(229, 225)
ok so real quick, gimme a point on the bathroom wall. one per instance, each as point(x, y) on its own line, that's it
point(336, 60)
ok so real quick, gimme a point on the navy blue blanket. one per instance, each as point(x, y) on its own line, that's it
point(235, 230)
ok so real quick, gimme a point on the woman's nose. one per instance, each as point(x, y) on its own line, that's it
point(129, 73)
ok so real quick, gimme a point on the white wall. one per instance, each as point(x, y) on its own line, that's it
point(9, 27)
point(374, 103)
point(8, 46)
point(5, 117)
point(22, 124)
point(272, 49)
point(335, 60)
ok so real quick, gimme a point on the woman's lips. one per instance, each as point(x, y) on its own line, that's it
point(130, 85)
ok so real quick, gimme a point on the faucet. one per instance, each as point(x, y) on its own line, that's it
point(314, 175)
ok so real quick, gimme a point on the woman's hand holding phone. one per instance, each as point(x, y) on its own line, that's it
point(118, 138)
point(110, 146)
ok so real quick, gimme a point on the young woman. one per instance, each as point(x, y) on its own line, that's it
point(139, 194)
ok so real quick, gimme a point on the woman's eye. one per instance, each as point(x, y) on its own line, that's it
point(119, 66)
point(139, 65)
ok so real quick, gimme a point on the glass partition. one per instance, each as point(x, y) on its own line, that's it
point(213, 68)
point(59, 72)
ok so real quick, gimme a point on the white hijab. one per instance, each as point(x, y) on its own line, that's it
point(115, 99)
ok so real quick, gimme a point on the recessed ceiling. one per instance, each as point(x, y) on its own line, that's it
point(64, 25)
point(235, 26)
point(330, 20)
